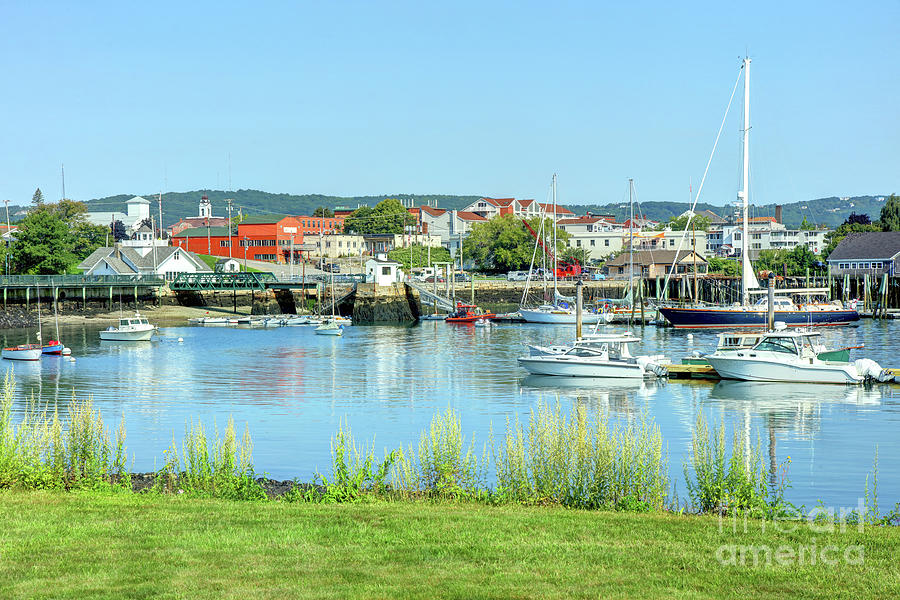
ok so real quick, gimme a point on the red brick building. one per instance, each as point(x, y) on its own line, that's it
point(265, 237)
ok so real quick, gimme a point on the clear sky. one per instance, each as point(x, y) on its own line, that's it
point(490, 98)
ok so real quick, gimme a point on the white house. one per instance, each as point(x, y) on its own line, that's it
point(382, 271)
point(165, 262)
point(228, 265)
point(138, 209)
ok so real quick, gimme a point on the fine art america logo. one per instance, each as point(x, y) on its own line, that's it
point(821, 548)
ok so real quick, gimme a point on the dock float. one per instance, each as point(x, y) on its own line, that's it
point(692, 372)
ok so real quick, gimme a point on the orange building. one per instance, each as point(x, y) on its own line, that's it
point(266, 238)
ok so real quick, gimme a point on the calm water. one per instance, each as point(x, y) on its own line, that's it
point(292, 387)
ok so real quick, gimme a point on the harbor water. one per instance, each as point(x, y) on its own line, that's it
point(292, 388)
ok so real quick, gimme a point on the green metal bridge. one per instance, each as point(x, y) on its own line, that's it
point(78, 281)
point(199, 282)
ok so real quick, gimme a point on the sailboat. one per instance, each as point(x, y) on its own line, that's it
point(331, 327)
point(746, 314)
point(55, 347)
point(562, 309)
point(26, 351)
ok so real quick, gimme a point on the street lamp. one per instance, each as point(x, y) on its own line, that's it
point(245, 254)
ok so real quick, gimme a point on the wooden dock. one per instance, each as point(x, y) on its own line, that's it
point(692, 372)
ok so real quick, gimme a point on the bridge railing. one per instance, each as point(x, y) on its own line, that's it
point(77, 280)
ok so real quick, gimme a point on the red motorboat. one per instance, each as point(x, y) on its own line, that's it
point(468, 313)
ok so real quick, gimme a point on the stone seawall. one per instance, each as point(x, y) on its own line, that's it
point(384, 304)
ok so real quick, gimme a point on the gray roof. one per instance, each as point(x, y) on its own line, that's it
point(131, 257)
point(653, 257)
point(866, 246)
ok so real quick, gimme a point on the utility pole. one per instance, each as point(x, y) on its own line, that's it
point(8, 236)
point(229, 224)
point(159, 201)
point(208, 239)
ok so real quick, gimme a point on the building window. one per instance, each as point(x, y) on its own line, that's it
point(592, 242)
point(606, 242)
point(578, 243)
point(224, 243)
point(671, 243)
point(385, 270)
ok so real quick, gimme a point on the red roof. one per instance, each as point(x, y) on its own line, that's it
point(578, 220)
point(560, 210)
point(434, 212)
point(469, 216)
point(762, 220)
point(525, 202)
point(499, 201)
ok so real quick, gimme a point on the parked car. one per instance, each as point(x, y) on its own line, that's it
point(332, 268)
point(517, 276)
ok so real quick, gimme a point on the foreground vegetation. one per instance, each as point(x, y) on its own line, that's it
point(141, 546)
point(438, 518)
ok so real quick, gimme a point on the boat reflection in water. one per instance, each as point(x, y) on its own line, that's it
point(618, 395)
point(768, 396)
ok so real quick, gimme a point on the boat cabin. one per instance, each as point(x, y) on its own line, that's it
point(795, 343)
point(780, 304)
point(133, 321)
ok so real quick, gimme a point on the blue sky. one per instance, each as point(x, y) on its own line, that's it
point(359, 98)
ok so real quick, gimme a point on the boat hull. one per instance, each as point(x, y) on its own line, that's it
point(557, 317)
point(708, 318)
point(567, 367)
point(26, 352)
point(126, 336)
point(743, 369)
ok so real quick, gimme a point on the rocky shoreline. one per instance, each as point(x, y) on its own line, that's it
point(143, 482)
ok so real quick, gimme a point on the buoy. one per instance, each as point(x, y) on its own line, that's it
point(690, 337)
point(71, 359)
point(66, 351)
point(181, 339)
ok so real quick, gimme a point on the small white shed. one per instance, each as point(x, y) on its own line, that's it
point(228, 265)
point(382, 271)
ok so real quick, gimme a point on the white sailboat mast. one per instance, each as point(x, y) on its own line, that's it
point(555, 249)
point(748, 279)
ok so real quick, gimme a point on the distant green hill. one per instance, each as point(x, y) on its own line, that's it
point(177, 205)
point(829, 212)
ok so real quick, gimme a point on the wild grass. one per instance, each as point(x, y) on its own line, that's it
point(581, 462)
point(43, 450)
point(219, 466)
point(722, 482)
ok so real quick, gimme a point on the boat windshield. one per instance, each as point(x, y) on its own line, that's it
point(143, 321)
point(124, 322)
point(778, 344)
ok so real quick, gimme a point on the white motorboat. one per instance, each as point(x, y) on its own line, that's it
point(790, 356)
point(433, 317)
point(558, 314)
point(595, 356)
point(22, 352)
point(331, 326)
point(330, 329)
point(130, 329)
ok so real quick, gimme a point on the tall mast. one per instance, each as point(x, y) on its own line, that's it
point(748, 279)
point(631, 239)
point(553, 266)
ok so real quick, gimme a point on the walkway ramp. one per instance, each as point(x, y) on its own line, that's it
point(429, 298)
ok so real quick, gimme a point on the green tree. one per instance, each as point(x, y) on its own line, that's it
point(890, 214)
point(420, 255)
point(698, 223)
point(833, 238)
point(723, 266)
point(43, 245)
point(576, 255)
point(325, 213)
point(791, 263)
point(806, 225)
point(504, 244)
point(388, 216)
point(38, 198)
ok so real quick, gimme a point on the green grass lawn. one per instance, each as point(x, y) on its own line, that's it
point(80, 545)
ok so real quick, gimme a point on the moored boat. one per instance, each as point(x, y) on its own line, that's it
point(791, 356)
point(602, 355)
point(130, 329)
point(467, 313)
point(22, 352)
